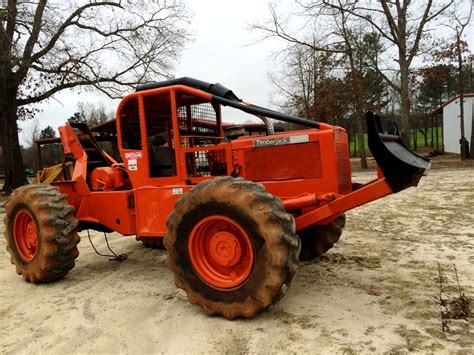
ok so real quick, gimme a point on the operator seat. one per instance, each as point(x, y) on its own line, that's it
point(162, 159)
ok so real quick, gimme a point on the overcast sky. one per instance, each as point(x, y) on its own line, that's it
point(221, 52)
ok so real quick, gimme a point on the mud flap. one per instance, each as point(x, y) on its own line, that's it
point(401, 167)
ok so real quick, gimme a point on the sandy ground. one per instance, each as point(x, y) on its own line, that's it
point(377, 291)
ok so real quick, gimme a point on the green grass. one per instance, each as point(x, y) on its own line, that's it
point(420, 139)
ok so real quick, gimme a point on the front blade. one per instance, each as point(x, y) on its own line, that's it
point(401, 167)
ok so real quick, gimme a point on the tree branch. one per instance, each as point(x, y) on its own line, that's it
point(394, 30)
point(6, 35)
point(278, 31)
point(69, 22)
point(35, 31)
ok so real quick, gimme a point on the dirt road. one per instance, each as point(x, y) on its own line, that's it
point(377, 291)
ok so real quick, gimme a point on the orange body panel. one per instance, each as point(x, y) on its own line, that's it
point(317, 171)
point(153, 205)
point(308, 169)
point(114, 210)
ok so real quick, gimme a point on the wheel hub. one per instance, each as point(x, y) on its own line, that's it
point(221, 252)
point(225, 249)
point(25, 235)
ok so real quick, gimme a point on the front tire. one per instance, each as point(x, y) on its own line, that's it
point(232, 247)
point(40, 230)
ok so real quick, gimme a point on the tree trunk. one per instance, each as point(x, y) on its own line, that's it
point(463, 142)
point(415, 140)
point(424, 133)
point(404, 103)
point(354, 138)
point(14, 173)
point(437, 133)
point(432, 132)
point(361, 133)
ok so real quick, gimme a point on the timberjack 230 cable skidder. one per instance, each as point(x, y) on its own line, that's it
point(236, 213)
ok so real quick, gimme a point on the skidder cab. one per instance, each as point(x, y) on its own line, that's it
point(236, 212)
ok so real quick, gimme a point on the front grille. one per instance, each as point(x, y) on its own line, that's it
point(283, 162)
point(343, 163)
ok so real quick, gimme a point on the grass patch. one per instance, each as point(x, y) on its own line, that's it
point(420, 139)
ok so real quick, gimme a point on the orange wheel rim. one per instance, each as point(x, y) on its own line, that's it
point(25, 235)
point(221, 252)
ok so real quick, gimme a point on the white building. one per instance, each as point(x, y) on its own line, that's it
point(452, 122)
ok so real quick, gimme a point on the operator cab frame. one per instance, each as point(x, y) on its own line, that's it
point(171, 135)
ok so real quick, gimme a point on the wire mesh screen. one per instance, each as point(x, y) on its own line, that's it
point(130, 125)
point(343, 167)
point(206, 163)
point(185, 142)
point(196, 117)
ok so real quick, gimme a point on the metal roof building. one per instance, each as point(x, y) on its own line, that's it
point(450, 111)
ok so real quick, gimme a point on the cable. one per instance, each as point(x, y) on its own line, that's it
point(120, 257)
point(114, 256)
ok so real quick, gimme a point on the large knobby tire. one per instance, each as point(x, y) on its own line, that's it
point(151, 242)
point(316, 240)
point(40, 230)
point(232, 247)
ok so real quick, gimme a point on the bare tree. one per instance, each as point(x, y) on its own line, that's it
point(303, 82)
point(403, 25)
point(31, 133)
point(94, 114)
point(331, 33)
point(453, 53)
point(49, 46)
point(319, 38)
point(341, 18)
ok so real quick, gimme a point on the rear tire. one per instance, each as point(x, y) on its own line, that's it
point(316, 240)
point(151, 242)
point(40, 230)
point(232, 247)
